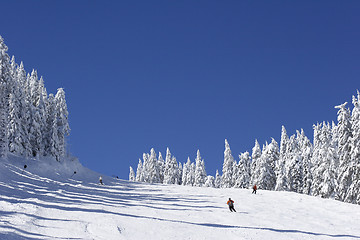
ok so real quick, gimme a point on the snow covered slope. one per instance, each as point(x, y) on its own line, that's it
point(46, 202)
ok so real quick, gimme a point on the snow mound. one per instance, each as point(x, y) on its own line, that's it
point(46, 200)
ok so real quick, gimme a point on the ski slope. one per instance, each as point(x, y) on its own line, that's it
point(46, 202)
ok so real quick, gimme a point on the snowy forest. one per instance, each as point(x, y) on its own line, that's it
point(329, 167)
point(32, 123)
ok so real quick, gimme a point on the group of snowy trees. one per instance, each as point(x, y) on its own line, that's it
point(169, 171)
point(329, 167)
point(32, 123)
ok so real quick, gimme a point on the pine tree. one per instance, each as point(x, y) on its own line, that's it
point(353, 193)
point(210, 181)
point(346, 167)
point(161, 165)
point(256, 154)
point(294, 166)
point(324, 170)
point(35, 133)
point(217, 179)
point(175, 169)
point(168, 168)
point(14, 129)
point(15, 132)
point(191, 175)
point(186, 171)
point(5, 78)
point(243, 179)
point(281, 178)
point(269, 157)
point(355, 123)
point(51, 136)
point(139, 174)
point(131, 175)
point(62, 122)
point(24, 110)
point(200, 173)
point(179, 174)
point(145, 168)
point(236, 173)
point(42, 108)
point(171, 169)
point(228, 165)
point(306, 151)
point(153, 168)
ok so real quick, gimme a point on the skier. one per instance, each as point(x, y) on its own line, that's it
point(100, 180)
point(254, 189)
point(231, 205)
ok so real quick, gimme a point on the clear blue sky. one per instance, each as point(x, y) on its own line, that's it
point(187, 74)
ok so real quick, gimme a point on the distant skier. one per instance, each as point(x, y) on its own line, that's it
point(231, 205)
point(254, 189)
point(100, 180)
point(25, 166)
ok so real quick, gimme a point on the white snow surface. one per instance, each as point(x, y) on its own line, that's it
point(45, 202)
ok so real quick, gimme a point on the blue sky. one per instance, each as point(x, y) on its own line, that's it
point(187, 74)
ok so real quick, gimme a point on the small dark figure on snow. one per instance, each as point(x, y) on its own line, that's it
point(254, 189)
point(100, 180)
point(231, 205)
point(25, 166)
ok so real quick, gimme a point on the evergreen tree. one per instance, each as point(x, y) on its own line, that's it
point(210, 181)
point(200, 173)
point(175, 169)
point(167, 170)
point(236, 173)
point(228, 166)
point(243, 168)
point(191, 175)
point(145, 168)
point(266, 166)
point(179, 174)
point(153, 168)
point(294, 166)
point(281, 179)
point(217, 179)
point(171, 169)
point(24, 110)
point(324, 169)
point(15, 133)
point(35, 133)
point(62, 122)
point(139, 174)
point(355, 123)
point(14, 129)
point(186, 171)
point(51, 136)
point(43, 106)
point(344, 134)
point(5, 78)
point(256, 154)
point(161, 165)
point(306, 150)
point(131, 175)
point(353, 193)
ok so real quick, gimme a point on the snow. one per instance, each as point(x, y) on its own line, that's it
point(45, 201)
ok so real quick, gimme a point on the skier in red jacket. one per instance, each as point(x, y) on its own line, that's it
point(231, 205)
point(254, 189)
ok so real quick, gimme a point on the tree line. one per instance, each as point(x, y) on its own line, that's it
point(329, 167)
point(32, 123)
